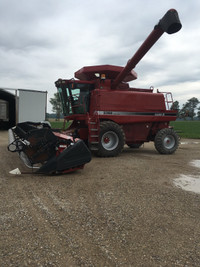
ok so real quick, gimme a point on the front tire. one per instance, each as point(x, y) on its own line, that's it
point(111, 139)
point(166, 141)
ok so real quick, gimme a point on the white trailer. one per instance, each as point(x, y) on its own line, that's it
point(31, 105)
point(20, 105)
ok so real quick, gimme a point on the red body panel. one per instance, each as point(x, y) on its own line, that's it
point(127, 101)
point(140, 113)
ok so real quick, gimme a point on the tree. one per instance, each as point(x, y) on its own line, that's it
point(184, 112)
point(56, 105)
point(176, 107)
point(198, 113)
point(188, 109)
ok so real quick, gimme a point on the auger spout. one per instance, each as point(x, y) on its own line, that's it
point(170, 23)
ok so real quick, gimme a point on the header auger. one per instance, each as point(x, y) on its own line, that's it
point(45, 150)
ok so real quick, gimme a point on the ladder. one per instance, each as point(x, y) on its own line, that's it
point(93, 131)
point(168, 100)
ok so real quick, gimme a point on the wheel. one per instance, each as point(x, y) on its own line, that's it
point(166, 141)
point(111, 139)
point(134, 145)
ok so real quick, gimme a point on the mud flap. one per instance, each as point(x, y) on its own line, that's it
point(73, 156)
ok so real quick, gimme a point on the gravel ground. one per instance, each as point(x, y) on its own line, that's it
point(122, 211)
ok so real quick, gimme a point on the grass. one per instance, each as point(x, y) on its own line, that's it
point(57, 124)
point(186, 129)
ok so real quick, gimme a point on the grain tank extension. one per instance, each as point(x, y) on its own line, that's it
point(107, 113)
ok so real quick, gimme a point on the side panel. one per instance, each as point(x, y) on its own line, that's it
point(137, 132)
point(32, 105)
point(128, 101)
point(127, 107)
point(142, 132)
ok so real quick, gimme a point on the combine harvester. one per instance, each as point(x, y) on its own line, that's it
point(106, 114)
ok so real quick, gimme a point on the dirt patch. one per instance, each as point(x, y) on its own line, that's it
point(122, 211)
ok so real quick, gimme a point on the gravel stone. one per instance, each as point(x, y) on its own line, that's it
point(122, 211)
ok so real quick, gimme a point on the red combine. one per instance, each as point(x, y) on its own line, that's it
point(107, 113)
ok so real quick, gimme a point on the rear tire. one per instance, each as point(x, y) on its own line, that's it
point(111, 139)
point(166, 141)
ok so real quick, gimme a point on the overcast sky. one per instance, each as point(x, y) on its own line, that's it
point(43, 40)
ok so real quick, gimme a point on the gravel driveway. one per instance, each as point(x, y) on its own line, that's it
point(122, 211)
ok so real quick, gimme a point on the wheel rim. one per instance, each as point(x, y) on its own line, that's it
point(169, 142)
point(109, 140)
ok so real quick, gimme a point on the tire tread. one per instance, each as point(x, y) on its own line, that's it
point(158, 142)
point(110, 125)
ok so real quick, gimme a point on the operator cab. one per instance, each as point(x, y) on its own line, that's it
point(74, 96)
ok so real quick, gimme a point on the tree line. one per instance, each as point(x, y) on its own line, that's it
point(190, 110)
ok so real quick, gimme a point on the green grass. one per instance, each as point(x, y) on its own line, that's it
point(58, 124)
point(187, 129)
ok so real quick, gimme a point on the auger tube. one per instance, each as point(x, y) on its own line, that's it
point(170, 23)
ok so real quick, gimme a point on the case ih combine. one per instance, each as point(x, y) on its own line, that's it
point(106, 113)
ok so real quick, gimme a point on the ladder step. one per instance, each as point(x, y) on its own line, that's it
point(93, 127)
